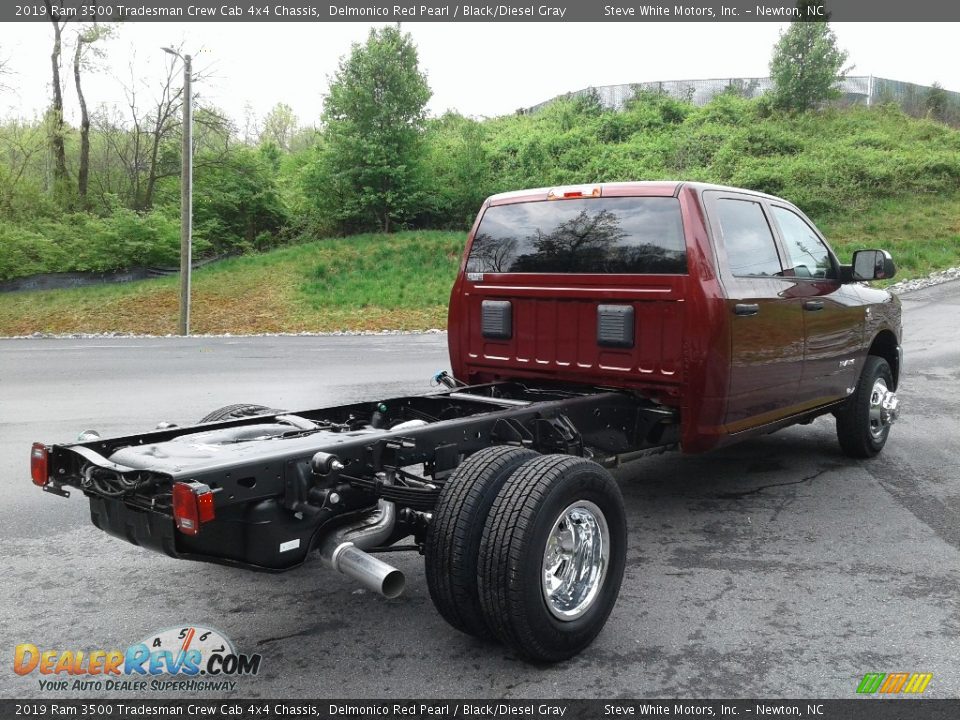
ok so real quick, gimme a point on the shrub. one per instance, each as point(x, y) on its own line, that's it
point(24, 252)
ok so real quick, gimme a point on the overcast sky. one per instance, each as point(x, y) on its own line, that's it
point(478, 69)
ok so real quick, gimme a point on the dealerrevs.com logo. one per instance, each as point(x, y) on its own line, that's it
point(176, 659)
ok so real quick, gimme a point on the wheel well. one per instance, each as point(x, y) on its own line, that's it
point(885, 345)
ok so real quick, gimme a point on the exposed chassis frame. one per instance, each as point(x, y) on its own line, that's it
point(286, 487)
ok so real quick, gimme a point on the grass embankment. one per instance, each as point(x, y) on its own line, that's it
point(365, 282)
point(921, 232)
point(870, 177)
point(397, 282)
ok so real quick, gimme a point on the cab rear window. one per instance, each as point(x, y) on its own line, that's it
point(640, 235)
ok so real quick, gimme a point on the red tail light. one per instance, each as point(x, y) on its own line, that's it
point(192, 506)
point(582, 191)
point(39, 464)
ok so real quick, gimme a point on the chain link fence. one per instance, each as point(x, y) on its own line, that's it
point(917, 100)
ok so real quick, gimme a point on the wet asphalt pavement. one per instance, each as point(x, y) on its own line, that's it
point(775, 568)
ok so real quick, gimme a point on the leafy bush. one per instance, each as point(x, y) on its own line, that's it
point(85, 243)
point(826, 161)
point(236, 202)
point(458, 160)
point(24, 252)
point(764, 140)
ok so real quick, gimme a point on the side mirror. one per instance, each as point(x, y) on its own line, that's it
point(873, 265)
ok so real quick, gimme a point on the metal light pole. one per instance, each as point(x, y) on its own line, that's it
point(186, 195)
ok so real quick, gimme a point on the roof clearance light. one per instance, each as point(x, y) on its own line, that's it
point(39, 464)
point(192, 506)
point(580, 191)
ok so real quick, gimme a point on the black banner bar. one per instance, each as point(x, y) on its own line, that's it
point(476, 11)
point(865, 708)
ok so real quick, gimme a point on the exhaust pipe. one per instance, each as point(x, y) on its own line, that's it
point(343, 550)
point(363, 567)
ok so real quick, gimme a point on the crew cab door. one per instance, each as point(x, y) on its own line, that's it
point(765, 318)
point(833, 314)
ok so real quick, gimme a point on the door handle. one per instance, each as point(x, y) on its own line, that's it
point(746, 309)
point(813, 305)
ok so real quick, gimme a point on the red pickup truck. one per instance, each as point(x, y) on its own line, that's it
point(723, 303)
point(588, 326)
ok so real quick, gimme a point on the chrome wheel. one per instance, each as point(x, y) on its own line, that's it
point(575, 560)
point(884, 408)
point(552, 557)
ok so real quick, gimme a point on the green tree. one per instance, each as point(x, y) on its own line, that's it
point(374, 116)
point(57, 128)
point(457, 167)
point(279, 126)
point(237, 205)
point(806, 63)
point(87, 36)
point(936, 102)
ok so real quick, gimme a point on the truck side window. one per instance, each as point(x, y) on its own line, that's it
point(751, 249)
point(807, 254)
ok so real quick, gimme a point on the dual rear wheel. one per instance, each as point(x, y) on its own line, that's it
point(528, 549)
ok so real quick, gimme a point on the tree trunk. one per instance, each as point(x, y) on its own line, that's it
point(156, 138)
point(83, 172)
point(56, 132)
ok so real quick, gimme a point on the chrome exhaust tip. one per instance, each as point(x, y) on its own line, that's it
point(371, 573)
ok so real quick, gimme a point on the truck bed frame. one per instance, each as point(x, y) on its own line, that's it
point(278, 498)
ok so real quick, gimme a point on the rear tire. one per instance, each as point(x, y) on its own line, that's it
point(552, 557)
point(237, 412)
point(859, 428)
point(453, 539)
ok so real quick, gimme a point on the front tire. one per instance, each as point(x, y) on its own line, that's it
point(863, 425)
point(552, 557)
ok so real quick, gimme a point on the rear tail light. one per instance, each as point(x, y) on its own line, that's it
point(192, 506)
point(39, 464)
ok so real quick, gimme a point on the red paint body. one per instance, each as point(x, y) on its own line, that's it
point(729, 376)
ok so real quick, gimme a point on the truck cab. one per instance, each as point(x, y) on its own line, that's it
point(725, 304)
